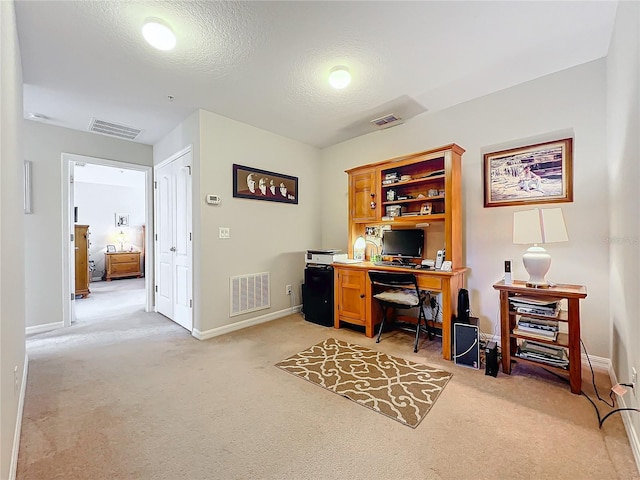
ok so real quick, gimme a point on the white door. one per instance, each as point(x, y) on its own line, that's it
point(173, 241)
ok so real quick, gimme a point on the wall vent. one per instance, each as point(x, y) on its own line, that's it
point(249, 293)
point(113, 129)
point(386, 121)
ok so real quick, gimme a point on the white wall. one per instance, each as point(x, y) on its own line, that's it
point(44, 145)
point(97, 205)
point(568, 103)
point(12, 337)
point(265, 236)
point(623, 153)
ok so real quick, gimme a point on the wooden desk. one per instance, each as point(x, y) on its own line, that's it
point(354, 304)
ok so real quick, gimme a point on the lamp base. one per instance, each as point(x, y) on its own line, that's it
point(537, 262)
point(537, 285)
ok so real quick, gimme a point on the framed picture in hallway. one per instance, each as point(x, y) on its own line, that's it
point(259, 184)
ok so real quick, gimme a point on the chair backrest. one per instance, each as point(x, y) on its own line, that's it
point(393, 279)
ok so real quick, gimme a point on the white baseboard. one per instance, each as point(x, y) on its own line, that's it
point(16, 436)
point(632, 435)
point(215, 332)
point(43, 328)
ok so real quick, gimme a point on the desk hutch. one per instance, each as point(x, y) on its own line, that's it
point(430, 177)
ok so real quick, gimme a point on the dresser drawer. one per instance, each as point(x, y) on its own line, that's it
point(124, 258)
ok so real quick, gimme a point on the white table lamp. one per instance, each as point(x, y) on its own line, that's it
point(538, 227)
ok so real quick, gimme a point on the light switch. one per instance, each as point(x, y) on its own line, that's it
point(224, 232)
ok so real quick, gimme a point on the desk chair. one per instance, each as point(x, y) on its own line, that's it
point(400, 291)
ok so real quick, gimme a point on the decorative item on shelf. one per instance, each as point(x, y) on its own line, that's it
point(390, 178)
point(391, 195)
point(405, 178)
point(538, 227)
point(111, 248)
point(441, 193)
point(432, 192)
point(359, 247)
point(394, 210)
point(425, 209)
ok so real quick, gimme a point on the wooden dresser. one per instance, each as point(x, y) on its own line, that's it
point(121, 265)
point(83, 274)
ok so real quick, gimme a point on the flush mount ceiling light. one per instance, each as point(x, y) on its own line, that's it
point(339, 77)
point(158, 34)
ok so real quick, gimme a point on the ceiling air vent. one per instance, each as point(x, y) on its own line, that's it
point(113, 129)
point(386, 121)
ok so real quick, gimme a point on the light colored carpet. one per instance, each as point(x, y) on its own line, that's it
point(134, 396)
point(402, 390)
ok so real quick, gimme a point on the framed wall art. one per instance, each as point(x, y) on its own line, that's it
point(122, 219)
point(531, 174)
point(259, 184)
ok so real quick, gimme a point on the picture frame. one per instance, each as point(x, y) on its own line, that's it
point(111, 248)
point(426, 209)
point(257, 184)
point(540, 173)
point(122, 219)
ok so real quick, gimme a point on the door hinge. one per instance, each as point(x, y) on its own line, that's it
point(72, 237)
point(70, 178)
point(73, 296)
point(189, 167)
point(156, 288)
point(190, 303)
point(189, 236)
point(156, 237)
point(155, 184)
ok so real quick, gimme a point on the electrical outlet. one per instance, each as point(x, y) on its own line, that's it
point(224, 232)
point(287, 289)
point(634, 379)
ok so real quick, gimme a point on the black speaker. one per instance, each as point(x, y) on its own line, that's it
point(491, 359)
point(463, 306)
point(466, 347)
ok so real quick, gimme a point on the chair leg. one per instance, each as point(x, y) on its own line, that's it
point(384, 318)
point(415, 344)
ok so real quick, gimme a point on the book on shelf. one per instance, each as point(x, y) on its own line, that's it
point(539, 334)
point(548, 354)
point(537, 323)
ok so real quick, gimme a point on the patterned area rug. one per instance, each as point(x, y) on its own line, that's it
point(392, 386)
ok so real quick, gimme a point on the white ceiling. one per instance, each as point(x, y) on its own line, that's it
point(266, 63)
point(105, 175)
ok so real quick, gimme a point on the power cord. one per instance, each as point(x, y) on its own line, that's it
point(595, 388)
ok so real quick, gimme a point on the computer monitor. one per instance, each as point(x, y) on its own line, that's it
point(407, 243)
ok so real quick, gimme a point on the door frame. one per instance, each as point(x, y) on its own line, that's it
point(184, 151)
point(68, 159)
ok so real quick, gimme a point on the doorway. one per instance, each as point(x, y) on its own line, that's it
point(129, 240)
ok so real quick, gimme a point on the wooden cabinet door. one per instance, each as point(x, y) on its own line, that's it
point(363, 201)
point(351, 304)
point(82, 260)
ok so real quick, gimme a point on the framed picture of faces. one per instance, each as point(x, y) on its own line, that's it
point(258, 184)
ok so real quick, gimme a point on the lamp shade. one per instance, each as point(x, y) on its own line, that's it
point(539, 226)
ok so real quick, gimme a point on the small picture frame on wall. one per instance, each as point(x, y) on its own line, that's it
point(122, 219)
point(111, 248)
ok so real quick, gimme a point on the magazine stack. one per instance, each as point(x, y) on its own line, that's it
point(536, 328)
point(546, 307)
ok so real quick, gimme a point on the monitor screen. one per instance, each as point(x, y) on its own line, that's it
point(403, 243)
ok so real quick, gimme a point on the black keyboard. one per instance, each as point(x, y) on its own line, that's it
point(410, 266)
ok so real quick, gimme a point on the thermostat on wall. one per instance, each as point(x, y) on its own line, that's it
point(213, 200)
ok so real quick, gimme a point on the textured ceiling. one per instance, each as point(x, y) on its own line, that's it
point(266, 63)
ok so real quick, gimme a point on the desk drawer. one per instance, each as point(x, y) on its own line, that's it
point(429, 283)
point(125, 258)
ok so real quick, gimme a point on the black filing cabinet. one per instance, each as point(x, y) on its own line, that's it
point(317, 294)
